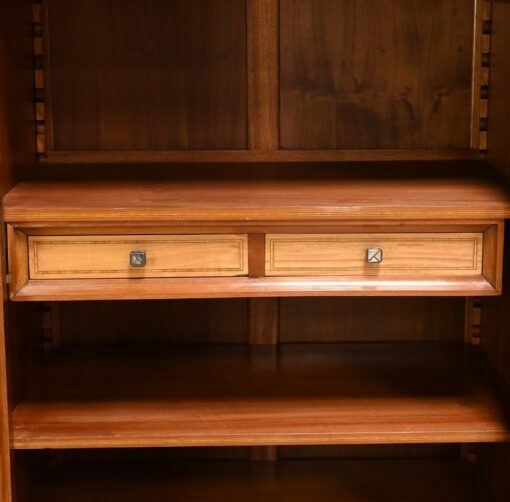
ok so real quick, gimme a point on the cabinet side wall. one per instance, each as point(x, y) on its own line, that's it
point(17, 155)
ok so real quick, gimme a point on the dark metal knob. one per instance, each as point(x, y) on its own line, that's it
point(137, 259)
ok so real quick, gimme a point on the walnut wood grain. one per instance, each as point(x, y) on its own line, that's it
point(337, 320)
point(264, 321)
point(240, 395)
point(395, 75)
point(380, 480)
point(256, 254)
point(226, 321)
point(177, 321)
point(263, 117)
point(401, 254)
point(328, 193)
point(170, 76)
point(88, 256)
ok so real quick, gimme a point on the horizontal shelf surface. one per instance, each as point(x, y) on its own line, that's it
point(292, 480)
point(382, 191)
point(239, 287)
point(240, 395)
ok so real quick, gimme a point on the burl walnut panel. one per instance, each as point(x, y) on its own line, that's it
point(378, 74)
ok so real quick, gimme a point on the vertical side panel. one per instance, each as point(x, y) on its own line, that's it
point(499, 95)
point(17, 154)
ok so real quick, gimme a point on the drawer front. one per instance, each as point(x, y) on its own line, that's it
point(396, 254)
point(88, 257)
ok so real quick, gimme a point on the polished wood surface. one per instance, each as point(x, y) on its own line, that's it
point(18, 266)
point(291, 480)
point(257, 285)
point(170, 76)
point(238, 101)
point(249, 287)
point(446, 263)
point(493, 255)
point(242, 395)
point(395, 75)
point(89, 256)
point(444, 192)
point(401, 254)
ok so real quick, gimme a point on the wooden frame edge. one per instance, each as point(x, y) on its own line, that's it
point(226, 156)
point(5, 446)
point(493, 248)
point(246, 287)
point(18, 265)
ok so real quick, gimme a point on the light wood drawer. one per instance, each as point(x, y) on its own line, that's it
point(403, 254)
point(88, 257)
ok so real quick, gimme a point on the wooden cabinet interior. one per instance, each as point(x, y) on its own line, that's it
point(254, 152)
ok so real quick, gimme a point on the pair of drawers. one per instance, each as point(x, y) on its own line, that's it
point(47, 264)
point(227, 255)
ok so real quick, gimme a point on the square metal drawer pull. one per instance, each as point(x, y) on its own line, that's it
point(374, 255)
point(137, 259)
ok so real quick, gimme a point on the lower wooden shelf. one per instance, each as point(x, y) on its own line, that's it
point(250, 287)
point(228, 395)
point(292, 480)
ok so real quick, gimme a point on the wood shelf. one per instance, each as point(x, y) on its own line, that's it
point(296, 480)
point(253, 287)
point(237, 395)
point(365, 191)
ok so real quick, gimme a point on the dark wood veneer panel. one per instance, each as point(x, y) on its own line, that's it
point(198, 321)
point(296, 480)
point(370, 320)
point(148, 75)
point(378, 74)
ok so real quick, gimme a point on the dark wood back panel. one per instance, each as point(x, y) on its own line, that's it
point(378, 74)
point(151, 75)
point(186, 321)
point(226, 321)
point(371, 319)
